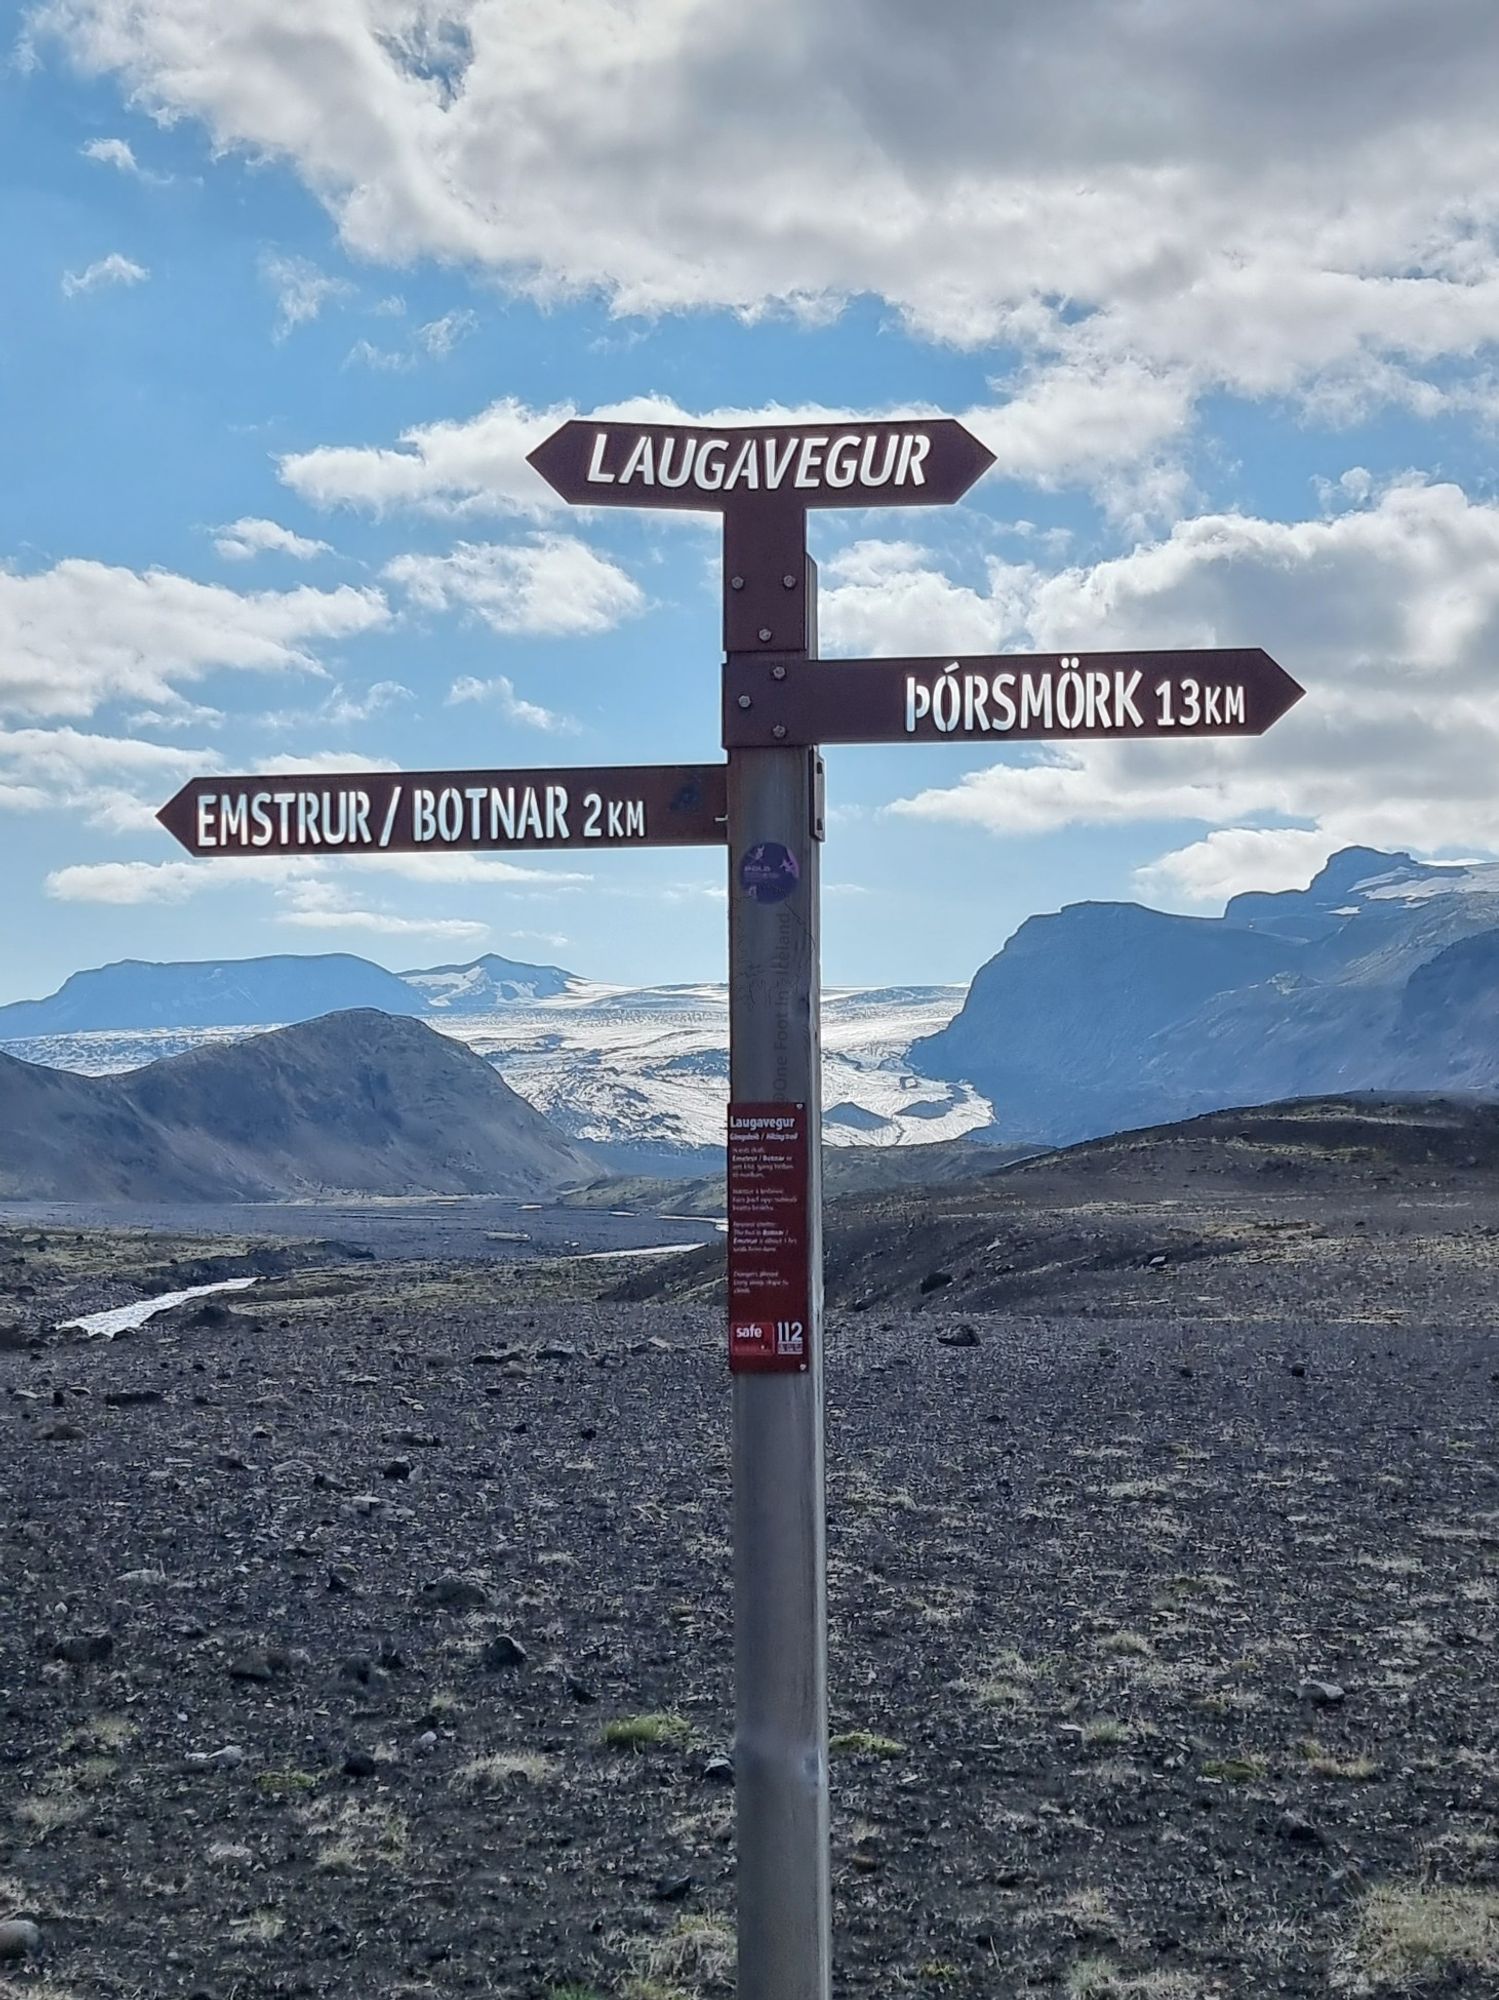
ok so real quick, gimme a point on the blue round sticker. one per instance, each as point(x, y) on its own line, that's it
point(768, 872)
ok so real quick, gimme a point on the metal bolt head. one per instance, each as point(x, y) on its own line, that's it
point(736, 583)
point(745, 702)
point(778, 673)
point(765, 632)
point(789, 582)
point(779, 731)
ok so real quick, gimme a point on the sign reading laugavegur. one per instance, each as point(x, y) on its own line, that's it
point(419, 812)
point(911, 462)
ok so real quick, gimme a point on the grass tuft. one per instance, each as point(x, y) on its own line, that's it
point(1324, 1763)
point(487, 1774)
point(664, 1730)
point(864, 1743)
point(1410, 1934)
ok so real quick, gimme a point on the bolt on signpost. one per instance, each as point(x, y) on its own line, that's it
point(780, 702)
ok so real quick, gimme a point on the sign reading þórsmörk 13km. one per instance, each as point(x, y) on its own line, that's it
point(1228, 691)
point(912, 463)
point(438, 812)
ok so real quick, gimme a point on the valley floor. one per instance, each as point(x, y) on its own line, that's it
point(1163, 1654)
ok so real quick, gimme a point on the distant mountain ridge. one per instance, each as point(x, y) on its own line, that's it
point(265, 992)
point(355, 1103)
point(486, 983)
point(1383, 974)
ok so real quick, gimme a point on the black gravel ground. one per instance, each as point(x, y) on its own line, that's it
point(1163, 1652)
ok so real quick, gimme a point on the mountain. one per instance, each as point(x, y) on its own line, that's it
point(1382, 975)
point(642, 1073)
point(485, 984)
point(216, 993)
point(355, 1102)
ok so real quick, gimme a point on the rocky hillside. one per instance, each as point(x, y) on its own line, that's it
point(357, 1102)
point(1382, 975)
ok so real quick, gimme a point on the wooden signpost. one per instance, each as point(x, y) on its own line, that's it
point(766, 804)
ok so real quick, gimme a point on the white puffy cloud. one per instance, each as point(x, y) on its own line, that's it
point(884, 598)
point(318, 904)
point(500, 692)
point(1177, 196)
point(1234, 859)
point(550, 584)
point(84, 632)
point(301, 289)
point(301, 883)
point(132, 882)
point(251, 536)
point(1119, 428)
point(119, 154)
point(461, 930)
point(114, 269)
point(115, 782)
point(435, 340)
point(1387, 613)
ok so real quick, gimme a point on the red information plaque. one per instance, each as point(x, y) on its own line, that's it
point(769, 1237)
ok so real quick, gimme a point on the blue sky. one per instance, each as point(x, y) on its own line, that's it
point(284, 311)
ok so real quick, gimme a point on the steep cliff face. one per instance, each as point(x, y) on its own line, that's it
point(1382, 974)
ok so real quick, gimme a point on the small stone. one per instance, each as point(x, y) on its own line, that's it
point(502, 1651)
point(1300, 1832)
point(1157, 1262)
point(672, 1888)
point(19, 1939)
point(398, 1468)
point(934, 1281)
point(719, 1769)
point(140, 1578)
point(367, 1503)
point(961, 1336)
point(341, 1582)
point(580, 1691)
point(1326, 1694)
point(85, 1649)
point(62, 1433)
point(360, 1764)
point(1298, 1369)
point(253, 1664)
point(130, 1399)
point(230, 1461)
point(427, 1742)
point(456, 1593)
point(556, 1352)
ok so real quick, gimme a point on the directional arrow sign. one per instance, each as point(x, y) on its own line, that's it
point(997, 698)
point(914, 462)
point(452, 812)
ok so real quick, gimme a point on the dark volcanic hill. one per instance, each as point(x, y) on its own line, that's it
point(1202, 1216)
point(1382, 975)
point(357, 1102)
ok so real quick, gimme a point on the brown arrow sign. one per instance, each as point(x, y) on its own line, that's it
point(452, 812)
point(910, 462)
point(998, 698)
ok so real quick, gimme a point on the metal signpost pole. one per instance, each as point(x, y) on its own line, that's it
point(780, 1577)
